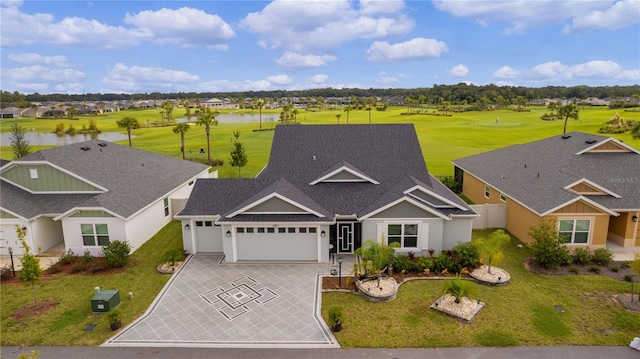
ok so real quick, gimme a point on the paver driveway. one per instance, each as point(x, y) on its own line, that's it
point(212, 304)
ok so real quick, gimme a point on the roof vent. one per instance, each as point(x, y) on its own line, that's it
point(590, 142)
point(314, 158)
point(564, 137)
point(102, 144)
point(85, 148)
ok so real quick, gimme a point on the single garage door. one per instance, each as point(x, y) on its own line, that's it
point(277, 244)
point(9, 238)
point(208, 237)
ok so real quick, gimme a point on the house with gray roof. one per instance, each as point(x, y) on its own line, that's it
point(327, 189)
point(87, 194)
point(590, 184)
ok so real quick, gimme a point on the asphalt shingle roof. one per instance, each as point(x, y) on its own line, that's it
point(134, 179)
point(536, 173)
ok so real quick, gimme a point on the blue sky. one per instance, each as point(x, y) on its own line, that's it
point(225, 46)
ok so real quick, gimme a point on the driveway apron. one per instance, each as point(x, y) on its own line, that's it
point(209, 303)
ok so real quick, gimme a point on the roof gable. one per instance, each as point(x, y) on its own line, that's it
point(344, 173)
point(586, 187)
point(44, 177)
point(274, 204)
point(431, 198)
point(610, 145)
point(405, 208)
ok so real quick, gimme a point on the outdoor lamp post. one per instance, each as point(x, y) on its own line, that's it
point(339, 272)
point(13, 269)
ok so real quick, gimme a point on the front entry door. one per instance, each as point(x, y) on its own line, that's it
point(345, 237)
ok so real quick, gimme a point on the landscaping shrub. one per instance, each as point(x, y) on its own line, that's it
point(594, 269)
point(628, 278)
point(5, 272)
point(465, 256)
point(403, 263)
point(55, 268)
point(549, 250)
point(626, 264)
point(573, 270)
point(423, 263)
point(79, 267)
point(173, 255)
point(86, 257)
point(602, 256)
point(614, 269)
point(67, 258)
point(582, 256)
point(457, 287)
point(443, 262)
point(117, 253)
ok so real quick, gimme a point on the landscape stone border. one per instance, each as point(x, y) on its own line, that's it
point(388, 292)
point(443, 305)
point(499, 276)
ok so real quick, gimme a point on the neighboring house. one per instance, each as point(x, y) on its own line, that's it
point(89, 193)
point(216, 103)
point(590, 183)
point(10, 112)
point(327, 188)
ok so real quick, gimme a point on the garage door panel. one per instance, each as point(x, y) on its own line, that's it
point(9, 238)
point(208, 240)
point(287, 247)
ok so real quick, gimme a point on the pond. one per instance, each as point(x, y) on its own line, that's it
point(52, 139)
point(241, 117)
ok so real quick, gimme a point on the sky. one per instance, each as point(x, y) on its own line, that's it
point(76, 47)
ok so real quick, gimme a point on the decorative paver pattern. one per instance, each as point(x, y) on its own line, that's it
point(208, 303)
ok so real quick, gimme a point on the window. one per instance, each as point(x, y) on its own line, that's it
point(33, 173)
point(198, 223)
point(282, 230)
point(575, 230)
point(404, 234)
point(249, 229)
point(487, 191)
point(312, 229)
point(94, 233)
point(270, 230)
point(302, 230)
point(291, 230)
point(166, 207)
point(208, 223)
point(260, 229)
point(239, 230)
point(503, 198)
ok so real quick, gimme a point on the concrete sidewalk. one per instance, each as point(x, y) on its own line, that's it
point(563, 352)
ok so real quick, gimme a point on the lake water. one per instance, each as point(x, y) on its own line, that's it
point(51, 139)
point(240, 117)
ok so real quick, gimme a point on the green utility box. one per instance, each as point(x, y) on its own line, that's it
point(105, 300)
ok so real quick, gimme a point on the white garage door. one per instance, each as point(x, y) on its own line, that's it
point(208, 237)
point(9, 237)
point(279, 244)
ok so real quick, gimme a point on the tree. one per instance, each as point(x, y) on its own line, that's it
point(549, 249)
point(338, 117)
point(376, 257)
point(207, 119)
point(458, 288)
point(181, 129)
point(19, 145)
point(446, 106)
point(347, 109)
point(238, 156)
point(635, 132)
point(491, 248)
point(566, 112)
point(128, 123)
point(259, 103)
point(31, 271)
point(371, 101)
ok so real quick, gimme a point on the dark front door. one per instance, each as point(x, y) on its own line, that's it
point(345, 237)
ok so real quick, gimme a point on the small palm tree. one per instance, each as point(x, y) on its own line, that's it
point(491, 248)
point(207, 119)
point(128, 123)
point(181, 129)
point(457, 288)
point(568, 111)
point(338, 117)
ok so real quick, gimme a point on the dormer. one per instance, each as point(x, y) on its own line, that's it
point(431, 198)
point(41, 177)
point(589, 188)
point(344, 173)
point(609, 145)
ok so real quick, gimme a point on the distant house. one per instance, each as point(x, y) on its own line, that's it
point(87, 194)
point(589, 183)
point(216, 103)
point(327, 189)
point(10, 112)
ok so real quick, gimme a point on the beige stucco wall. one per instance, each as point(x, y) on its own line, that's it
point(473, 188)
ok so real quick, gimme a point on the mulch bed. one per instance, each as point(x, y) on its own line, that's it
point(27, 311)
point(331, 282)
point(582, 269)
point(96, 266)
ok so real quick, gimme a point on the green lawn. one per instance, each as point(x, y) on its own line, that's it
point(65, 325)
point(520, 313)
point(443, 139)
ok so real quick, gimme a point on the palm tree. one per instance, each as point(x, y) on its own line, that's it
point(128, 123)
point(206, 119)
point(259, 103)
point(181, 129)
point(568, 111)
point(338, 117)
point(371, 101)
point(347, 109)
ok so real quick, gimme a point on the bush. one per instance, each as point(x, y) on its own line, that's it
point(573, 270)
point(582, 256)
point(614, 269)
point(628, 278)
point(457, 287)
point(423, 263)
point(6, 272)
point(403, 263)
point(173, 255)
point(594, 269)
point(602, 256)
point(86, 257)
point(67, 258)
point(465, 255)
point(55, 268)
point(443, 262)
point(79, 267)
point(626, 264)
point(549, 251)
point(116, 253)
point(335, 315)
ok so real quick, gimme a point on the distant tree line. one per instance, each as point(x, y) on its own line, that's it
point(458, 93)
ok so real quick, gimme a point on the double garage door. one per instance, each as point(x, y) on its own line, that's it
point(277, 244)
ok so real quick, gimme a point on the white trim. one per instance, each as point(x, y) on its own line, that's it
point(78, 209)
point(573, 231)
point(402, 223)
point(47, 163)
point(14, 214)
point(360, 175)
point(436, 196)
point(592, 184)
point(610, 139)
point(581, 198)
point(279, 196)
point(411, 201)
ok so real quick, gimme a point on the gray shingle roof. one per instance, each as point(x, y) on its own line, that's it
point(300, 154)
point(535, 174)
point(134, 178)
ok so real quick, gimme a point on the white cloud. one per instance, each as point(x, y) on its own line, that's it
point(293, 61)
point(520, 16)
point(550, 69)
point(385, 79)
point(318, 79)
point(185, 26)
point(43, 79)
point(313, 26)
point(629, 75)
point(459, 70)
point(232, 86)
point(620, 15)
point(505, 72)
point(590, 71)
point(418, 48)
point(137, 78)
point(37, 59)
point(596, 68)
point(369, 7)
point(280, 79)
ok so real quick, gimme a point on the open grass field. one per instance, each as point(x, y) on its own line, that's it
point(520, 313)
point(442, 138)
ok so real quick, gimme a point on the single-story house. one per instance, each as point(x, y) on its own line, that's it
point(589, 183)
point(327, 189)
point(88, 193)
